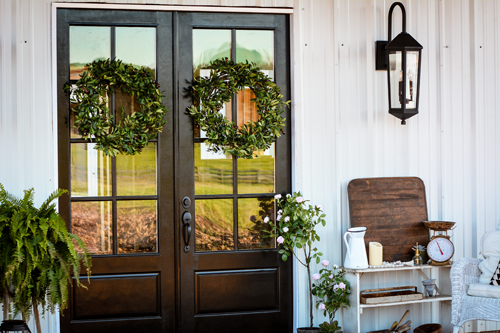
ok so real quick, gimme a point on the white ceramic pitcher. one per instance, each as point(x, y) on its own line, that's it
point(356, 250)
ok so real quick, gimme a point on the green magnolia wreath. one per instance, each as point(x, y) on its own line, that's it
point(212, 92)
point(93, 118)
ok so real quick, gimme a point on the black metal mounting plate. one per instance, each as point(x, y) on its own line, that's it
point(381, 56)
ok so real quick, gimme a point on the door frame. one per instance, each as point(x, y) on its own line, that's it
point(175, 101)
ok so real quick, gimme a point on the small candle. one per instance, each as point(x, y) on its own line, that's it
point(375, 250)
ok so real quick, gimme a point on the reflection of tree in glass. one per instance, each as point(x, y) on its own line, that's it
point(254, 237)
point(136, 229)
point(91, 221)
point(214, 225)
point(211, 236)
point(261, 57)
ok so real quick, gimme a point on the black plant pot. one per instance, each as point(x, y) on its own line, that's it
point(14, 326)
point(308, 330)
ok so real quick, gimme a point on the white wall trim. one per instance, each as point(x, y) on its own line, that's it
point(218, 9)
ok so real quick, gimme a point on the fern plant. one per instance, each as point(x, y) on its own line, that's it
point(37, 254)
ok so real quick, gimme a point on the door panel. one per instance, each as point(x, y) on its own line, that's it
point(232, 277)
point(121, 207)
point(117, 296)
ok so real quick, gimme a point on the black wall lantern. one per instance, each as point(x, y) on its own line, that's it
point(401, 57)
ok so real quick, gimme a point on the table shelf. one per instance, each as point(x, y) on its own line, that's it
point(353, 314)
point(437, 298)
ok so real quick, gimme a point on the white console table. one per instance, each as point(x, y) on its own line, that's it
point(353, 314)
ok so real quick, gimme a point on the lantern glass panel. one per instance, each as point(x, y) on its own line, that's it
point(395, 78)
point(411, 79)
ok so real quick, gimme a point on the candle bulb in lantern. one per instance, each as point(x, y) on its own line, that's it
point(375, 255)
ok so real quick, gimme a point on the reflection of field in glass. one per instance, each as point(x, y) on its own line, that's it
point(214, 225)
point(256, 175)
point(251, 226)
point(92, 221)
point(214, 176)
point(136, 174)
point(136, 226)
point(214, 218)
point(89, 178)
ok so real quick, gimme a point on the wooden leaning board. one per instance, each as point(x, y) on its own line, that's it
point(393, 210)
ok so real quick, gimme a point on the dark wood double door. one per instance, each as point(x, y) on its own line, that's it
point(177, 232)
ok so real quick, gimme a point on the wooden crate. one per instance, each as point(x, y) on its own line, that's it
point(390, 295)
point(393, 210)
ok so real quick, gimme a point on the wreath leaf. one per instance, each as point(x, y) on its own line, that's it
point(93, 119)
point(225, 80)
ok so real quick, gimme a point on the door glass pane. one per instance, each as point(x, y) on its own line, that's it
point(208, 45)
point(257, 175)
point(90, 171)
point(256, 46)
point(136, 226)
point(247, 111)
point(136, 174)
point(214, 225)
point(213, 172)
point(254, 217)
point(87, 44)
point(125, 105)
point(226, 110)
point(136, 46)
point(92, 221)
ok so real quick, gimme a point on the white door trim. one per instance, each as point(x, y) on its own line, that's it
point(218, 9)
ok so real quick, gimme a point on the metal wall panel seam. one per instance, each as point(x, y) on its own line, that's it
point(496, 162)
point(478, 77)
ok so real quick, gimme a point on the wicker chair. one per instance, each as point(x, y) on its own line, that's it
point(464, 307)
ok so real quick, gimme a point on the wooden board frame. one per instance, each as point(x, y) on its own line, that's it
point(393, 210)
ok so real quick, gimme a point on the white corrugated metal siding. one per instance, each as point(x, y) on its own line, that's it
point(341, 126)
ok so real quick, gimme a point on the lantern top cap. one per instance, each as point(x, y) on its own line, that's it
point(403, 42)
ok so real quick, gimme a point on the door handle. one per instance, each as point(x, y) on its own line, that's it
point(186, 229)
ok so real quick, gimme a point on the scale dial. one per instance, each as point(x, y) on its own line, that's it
point(440, 249)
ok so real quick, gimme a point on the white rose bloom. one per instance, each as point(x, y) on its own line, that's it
point(266, 219)
point(285, 229)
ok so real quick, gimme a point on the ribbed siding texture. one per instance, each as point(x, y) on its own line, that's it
point(343, 130)
point(341, 126)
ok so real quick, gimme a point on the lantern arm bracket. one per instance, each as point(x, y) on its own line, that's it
point(381, 55)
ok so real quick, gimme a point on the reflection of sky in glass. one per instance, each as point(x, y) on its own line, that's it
point(256, 46)
point(210, 44)
point(136, 46)
point(89, 43)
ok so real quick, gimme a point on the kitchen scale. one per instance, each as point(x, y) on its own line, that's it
point(440, 248)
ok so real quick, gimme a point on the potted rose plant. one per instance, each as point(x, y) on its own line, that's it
point(333, 291)
point(295, 231)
